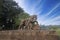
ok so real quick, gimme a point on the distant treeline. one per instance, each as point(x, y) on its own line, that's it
point(49, 27)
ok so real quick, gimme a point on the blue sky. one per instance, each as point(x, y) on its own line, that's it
point(47, 11)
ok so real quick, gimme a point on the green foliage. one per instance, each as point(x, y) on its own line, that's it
point(54, 28)
point(58, 31)
point(20, 17)
point(49, 27)
point(10, 14)
point(23, 16)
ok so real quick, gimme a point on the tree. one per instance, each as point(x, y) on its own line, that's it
point(20, 17)
point(9, 11)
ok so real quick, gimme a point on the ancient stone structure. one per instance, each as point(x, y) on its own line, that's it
point(27, 35)
point(33, 32)
point(29, 23)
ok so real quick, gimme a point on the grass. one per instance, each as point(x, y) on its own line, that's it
point(58, 31)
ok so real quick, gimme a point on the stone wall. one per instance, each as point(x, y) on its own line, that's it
point(27, 35)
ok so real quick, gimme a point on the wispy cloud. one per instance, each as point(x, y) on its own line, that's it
point(42, 19)
point(52, 17)
point(35, 4)
point(52, 21)
point(52, 9)
point(33, 7)
point(20, 3)
point(56, 18)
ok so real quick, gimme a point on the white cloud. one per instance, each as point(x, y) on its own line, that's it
point(56, 18)
point(47, 14)
point(53, 9)
point(52, 21)
point(49, 20)
point(20, 3)
point(33, 7)
point(41, 19)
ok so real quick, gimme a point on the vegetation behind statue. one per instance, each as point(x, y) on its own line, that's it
point(10, 15)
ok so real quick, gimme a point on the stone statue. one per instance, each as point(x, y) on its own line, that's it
point(29, 23)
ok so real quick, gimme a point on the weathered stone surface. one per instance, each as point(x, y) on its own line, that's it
point(27, 35)
point(29, 23)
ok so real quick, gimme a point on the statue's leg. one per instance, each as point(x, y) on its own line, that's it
point(30, 26)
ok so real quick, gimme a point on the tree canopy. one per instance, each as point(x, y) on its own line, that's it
point(10, 15)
